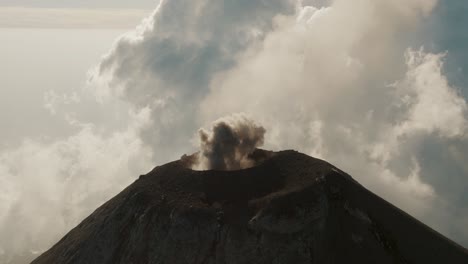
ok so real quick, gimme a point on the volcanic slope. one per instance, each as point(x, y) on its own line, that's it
point(289, 208)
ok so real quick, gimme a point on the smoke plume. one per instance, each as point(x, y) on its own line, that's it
point(229, 143)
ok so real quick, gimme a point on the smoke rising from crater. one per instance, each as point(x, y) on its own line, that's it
point(229, 143)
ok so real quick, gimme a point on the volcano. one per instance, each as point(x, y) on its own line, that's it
point(288, 208)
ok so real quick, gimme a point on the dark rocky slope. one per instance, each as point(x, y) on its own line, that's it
point(290, 208)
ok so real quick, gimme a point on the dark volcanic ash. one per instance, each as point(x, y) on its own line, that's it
point(229, 143)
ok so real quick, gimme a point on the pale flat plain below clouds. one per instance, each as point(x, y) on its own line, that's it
point(69, 18)
point(341, 80)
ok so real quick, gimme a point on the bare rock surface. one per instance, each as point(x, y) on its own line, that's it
point(289, 208)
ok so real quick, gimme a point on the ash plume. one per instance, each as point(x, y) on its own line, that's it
point(229, 143)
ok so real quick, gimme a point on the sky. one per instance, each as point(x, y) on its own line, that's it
point(95, 93)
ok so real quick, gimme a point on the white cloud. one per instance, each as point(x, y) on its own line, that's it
point(48, 188)
point(168, 64)
point(436, 107)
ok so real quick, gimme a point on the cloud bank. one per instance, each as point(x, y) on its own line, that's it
point(346, 81)
point(340, 80)
point(47, 188)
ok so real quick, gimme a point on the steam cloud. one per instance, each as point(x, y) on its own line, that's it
point(229, 143)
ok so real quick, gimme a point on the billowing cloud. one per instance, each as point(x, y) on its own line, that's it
point(48, 188)
point(338, 80)
point(169, 63)
point(229, 143)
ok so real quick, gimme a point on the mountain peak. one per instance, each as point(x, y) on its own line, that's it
point(288, 208)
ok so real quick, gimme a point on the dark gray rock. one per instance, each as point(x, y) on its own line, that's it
point(290, 208)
